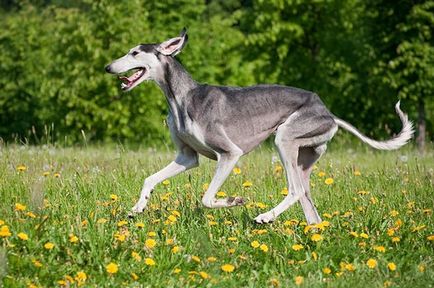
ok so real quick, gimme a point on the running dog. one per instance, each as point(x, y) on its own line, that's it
point(224, 123)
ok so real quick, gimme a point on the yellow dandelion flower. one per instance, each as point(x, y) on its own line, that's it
point(30, 214)
point(46, 174)
point(205, 186)
point(274, 282)
point(20, 207)
point(393, 213)
point(175, 249)
point(261, 205)
point(316, 237)
point(387, 283)
point(212, 223)
point(247, 184)
point(278, 169)
point(139, 225)
point(326, 270)
point(255, 244)
point(430, 238)
point(321, 174)
point(297, 247)
point(233, 239)
point(299, 280)
point(380, 249)
point(204, 275)
point(134, 276)
point(172, 218)
point(236, 171)
point(150, 262)
point(390, 232)
point(221, 194)
point(112, 268)
point(349, 267)
point(329, 181)
point(354, 234)
point(136, 256)
point(327, 215)
point(23, 236)
point(122, 223)
point(364, 235)
point(211, 259)
point(228, 268)
point(284, 191)
point(56, 175)
point(371, 263)
point(152, 234)
point(113, 197)
point(166, 182)
point(21, 168)
point(73, 238)
point(176, 213)
point(81, 277)
point(396, 239)
point(37, 263)
point(391, 266)
point(150, 243)
point(170, 242)
point(421, 268)
point(418, 228)
point(263, 247)
point(357, 173)
point(176, 271)
point(49, 245)
point(314, 255)
point(195, 259)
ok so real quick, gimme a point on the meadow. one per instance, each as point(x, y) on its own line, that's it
point(63, 221)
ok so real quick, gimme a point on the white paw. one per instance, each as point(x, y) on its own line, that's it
point(138, 208)
point(265, 218)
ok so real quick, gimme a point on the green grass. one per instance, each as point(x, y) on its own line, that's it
point(75, 203)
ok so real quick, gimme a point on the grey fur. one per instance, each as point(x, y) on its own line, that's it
point(223, 123)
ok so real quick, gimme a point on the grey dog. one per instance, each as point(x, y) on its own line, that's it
point(223, 123)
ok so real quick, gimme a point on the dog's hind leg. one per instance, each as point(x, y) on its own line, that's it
point(186, 159)
point(306, 159)
point(288, 155)
point(291, 138)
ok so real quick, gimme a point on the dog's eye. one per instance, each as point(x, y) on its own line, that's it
point(134, 53)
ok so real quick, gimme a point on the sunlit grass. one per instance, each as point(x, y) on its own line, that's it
point(63, 221)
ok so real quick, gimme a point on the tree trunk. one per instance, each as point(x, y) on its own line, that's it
point(421, 126)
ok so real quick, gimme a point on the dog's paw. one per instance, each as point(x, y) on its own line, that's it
point(265, 218)
point(235, 201)
point(138, 208)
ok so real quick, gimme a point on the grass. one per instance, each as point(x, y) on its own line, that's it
point(78, 200)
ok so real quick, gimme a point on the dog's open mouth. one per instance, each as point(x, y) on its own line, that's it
point(128, 82)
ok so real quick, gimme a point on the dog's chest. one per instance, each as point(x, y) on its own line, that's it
point(191, 134)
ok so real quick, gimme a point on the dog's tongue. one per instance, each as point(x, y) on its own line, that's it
point(124, 79)
point(132, 78)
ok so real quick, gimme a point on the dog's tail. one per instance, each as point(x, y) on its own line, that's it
point(396, 142)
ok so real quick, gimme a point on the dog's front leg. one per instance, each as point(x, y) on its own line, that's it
point(226, 163)
point(185, 160)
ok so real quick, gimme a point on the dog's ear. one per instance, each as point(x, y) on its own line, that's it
point(173, 46)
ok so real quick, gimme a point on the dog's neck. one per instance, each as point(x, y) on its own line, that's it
point(175, 83)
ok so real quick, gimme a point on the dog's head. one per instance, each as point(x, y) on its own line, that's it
point(145, 61)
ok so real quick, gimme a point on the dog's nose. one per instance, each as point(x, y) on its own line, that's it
point(108, 68)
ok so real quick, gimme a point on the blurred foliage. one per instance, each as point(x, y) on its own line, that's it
point(359, 56)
